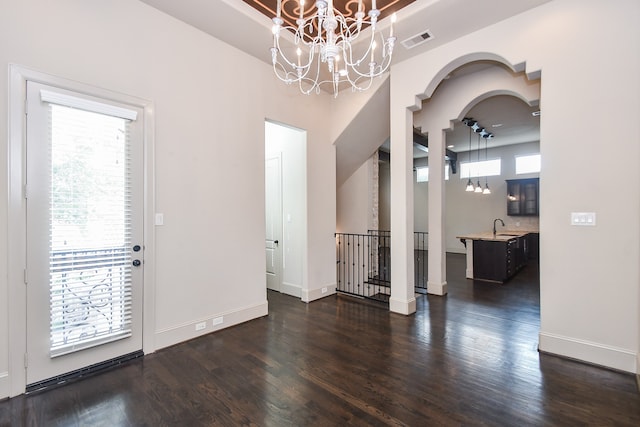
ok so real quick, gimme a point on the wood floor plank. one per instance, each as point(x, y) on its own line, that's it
point(468, 358)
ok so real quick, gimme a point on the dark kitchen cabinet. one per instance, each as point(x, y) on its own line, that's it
point(533, 240)
point(522, 197)
point(498, 261)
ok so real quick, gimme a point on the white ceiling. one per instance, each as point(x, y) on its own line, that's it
point(238, 24)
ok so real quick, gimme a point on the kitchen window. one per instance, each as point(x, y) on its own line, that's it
point(479, 169)
point(528, 164)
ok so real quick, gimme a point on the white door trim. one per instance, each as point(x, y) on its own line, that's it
point(16, 260)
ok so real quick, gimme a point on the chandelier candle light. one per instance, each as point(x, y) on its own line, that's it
point(328, 37)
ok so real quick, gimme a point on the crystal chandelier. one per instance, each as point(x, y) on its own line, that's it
point(325, 53)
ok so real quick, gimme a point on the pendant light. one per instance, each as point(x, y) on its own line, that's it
point(469, 183)
point(478, 188)
point(486, 183)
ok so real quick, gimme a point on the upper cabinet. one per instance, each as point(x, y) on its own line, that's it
point(522, 197)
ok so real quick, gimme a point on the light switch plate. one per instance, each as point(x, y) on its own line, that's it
point(159, 219)
point(583, 218)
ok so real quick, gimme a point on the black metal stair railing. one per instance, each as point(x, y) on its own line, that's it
point(360, 270)
point(363, 264)
point(420, 242)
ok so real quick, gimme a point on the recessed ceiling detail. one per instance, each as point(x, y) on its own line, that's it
point(291, 8)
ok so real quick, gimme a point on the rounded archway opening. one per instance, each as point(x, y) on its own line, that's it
point(504, 99)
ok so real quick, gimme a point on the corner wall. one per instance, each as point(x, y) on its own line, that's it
point(356, 199)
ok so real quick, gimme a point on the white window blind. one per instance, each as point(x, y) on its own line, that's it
point(90, 228)
point(64, 99)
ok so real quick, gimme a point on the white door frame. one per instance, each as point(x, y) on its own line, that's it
point(18, 77)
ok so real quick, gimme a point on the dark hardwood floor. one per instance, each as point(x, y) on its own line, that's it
point(468, 358)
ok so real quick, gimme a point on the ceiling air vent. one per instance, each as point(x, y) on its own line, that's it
point(417, 40)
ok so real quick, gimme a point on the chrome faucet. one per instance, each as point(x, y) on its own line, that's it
point(494, 225)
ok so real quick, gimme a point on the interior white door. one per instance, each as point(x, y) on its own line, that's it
point(84, 198)
point(273, 209)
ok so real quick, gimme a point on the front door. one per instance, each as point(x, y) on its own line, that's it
point(84, 190)
point(273, 209)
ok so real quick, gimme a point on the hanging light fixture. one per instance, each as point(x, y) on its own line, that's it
point(486, 182)
point(469, 183)
point(478, 188)
point(482, 133)
point(328, 37)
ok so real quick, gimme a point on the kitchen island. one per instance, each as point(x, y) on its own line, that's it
point(497, 257)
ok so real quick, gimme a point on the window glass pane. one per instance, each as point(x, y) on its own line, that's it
point(90, 211)
point(422, 174)
point(528, 164)
point(478, 169)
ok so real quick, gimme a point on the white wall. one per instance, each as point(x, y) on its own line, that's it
point(291, 145)
point(590, 304)
point(355, 200)
point(210, 105)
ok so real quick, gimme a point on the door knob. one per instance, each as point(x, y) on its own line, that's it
point(136, 248)
point(275, 242)
point(136, 263)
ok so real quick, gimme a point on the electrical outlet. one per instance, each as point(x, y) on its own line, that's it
point(324, 290)
point(200, 326)
point(218, 321)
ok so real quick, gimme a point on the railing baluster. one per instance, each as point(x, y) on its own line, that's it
point(364, 263)
point(421, 257)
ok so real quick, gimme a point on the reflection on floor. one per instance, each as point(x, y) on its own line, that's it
point(468, 358)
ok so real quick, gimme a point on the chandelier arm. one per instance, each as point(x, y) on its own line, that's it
point(355, 82)
point(313, 84)
point(353, 63)
point(293, 64)
point(331, 44)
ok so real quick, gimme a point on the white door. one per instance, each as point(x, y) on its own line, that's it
point(84, 190)
point(273, 209)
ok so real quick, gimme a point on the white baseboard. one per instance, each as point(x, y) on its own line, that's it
point(177, 334)
point(638, 371)
point(4, 385)
point(402, 307)
point(437, 288)
point(598, 354)
point(309, 295)
point(291, 289)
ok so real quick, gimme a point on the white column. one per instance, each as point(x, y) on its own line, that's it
point(437, 266)
point(402, 280)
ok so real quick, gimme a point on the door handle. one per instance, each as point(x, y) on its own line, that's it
point(275, 242)
point(136, 263)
